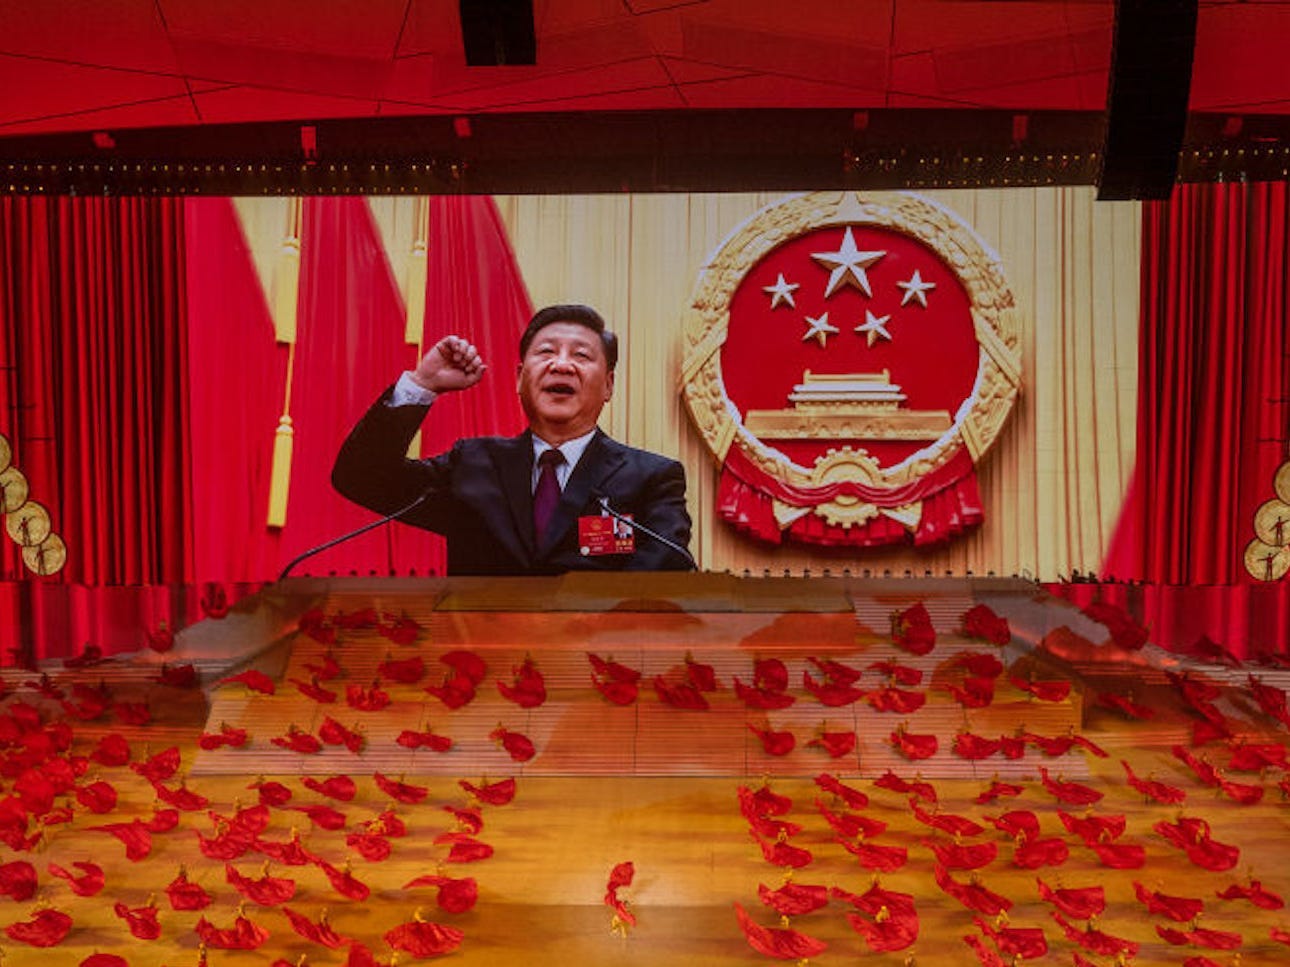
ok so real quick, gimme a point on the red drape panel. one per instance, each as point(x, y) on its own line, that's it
point(237, 375)
point(1212, 421)
point(349, 348)
point(474, 288)
point(95, 334)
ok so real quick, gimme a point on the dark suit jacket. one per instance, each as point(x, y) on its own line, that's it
point(481, 497)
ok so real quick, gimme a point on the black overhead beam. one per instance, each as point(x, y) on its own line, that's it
point(1147, 95)
point(690, 150)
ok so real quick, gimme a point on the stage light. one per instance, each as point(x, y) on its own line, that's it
point(1020, 128)
point(309, 142)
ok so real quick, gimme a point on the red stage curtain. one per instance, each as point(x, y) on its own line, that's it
point(1213, 370)
point(237, 375)
point(349, 348)
point(94, 338)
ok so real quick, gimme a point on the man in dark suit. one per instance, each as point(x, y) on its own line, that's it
point(532, 504)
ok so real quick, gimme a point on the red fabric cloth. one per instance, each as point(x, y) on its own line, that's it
point(972, 894)
point(793, 899)
point(341, 788)
point(1082, 903)
point(836, 744)
point(854, 798)
point(267, 891)
point(1024, 942)
point(424, 740)
point(1179, 909)
point(455, 894)
point(914, 747)
point(517, 745)
point(1074, 793)
point(141, 921)
point(402, 791)
point(850, 824)
point(18, 880)
point(778, 942)
point(1255, 893)
point(243, 935)
point(47, 928)
point(954, 856)
point(88, 883)
point(528, 689)
point(882, 859)
point(319, 933)
point(1096, 941)
point(1151, 789)
point(831, 693)
point(781, 853)
point(494, 794)
point(345, 883)
point(774, 742)
point(186, 895)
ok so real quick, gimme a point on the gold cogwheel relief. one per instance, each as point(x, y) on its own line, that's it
point(979, 270)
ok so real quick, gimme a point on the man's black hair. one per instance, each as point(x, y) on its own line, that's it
point(580, 315)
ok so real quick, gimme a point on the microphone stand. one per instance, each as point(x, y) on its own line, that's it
point(421, 499)
point(604, 505)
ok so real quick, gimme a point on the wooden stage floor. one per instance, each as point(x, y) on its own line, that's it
point(645, 782)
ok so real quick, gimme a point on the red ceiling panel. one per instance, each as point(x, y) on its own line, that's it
point(239, 104)
point(284, 70)
point(303, 59)
point(359, 28)
point(54, 95)
point(108, 33)
point(786, 55)
point(1240, 60)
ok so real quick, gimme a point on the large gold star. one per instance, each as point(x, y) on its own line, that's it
point(819, 329)
point(781, 292)
point(848, 264)
point(916, 289)
point(874, 327)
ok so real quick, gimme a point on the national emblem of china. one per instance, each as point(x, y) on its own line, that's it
point(849, 359)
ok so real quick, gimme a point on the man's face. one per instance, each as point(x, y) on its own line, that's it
point(564, 381)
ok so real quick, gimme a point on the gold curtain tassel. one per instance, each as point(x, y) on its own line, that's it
point(286, 276)
point(280, 477)
point(416, 294)
point(286, 290)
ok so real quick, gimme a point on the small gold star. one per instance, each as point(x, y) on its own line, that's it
point(916, 289)
point(820, 330)
point(874, 327)
point(781, 293)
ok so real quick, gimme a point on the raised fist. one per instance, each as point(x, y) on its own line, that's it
point(451, 364)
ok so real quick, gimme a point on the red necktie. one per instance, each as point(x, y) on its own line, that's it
point(547, 494)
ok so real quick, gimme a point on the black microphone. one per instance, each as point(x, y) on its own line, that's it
point(603, 500)
point(421, 499)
